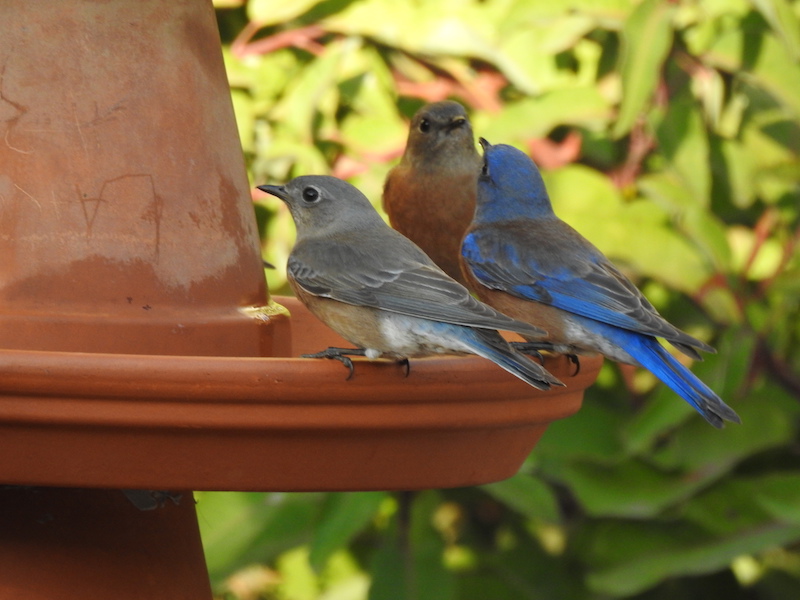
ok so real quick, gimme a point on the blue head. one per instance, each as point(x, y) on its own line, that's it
point(510, 186)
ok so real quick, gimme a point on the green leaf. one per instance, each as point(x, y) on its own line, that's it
point(243, 109)
point(698, 447)
point(740, 173)
point(646, 40)
point(595, 425)
point(413, 571)
point(683, 139)
point(388, 568)
point(536, 117)
point(669, 551)
point(528, 495)
point(239, 528)
point(372, 126)
point(637, 233)
point(343, 516)
point(273, 12)
point(630, 489)
point(779, 494)
point(311, 91)
point(527, 53)
point(450, 28)
point(297, 579)
point(729, 507)
point(781, 15)
point(657, 250)
point(766, 62)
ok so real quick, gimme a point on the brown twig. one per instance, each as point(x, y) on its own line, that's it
point(302, 37)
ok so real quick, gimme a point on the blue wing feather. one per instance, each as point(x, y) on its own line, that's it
point(564, 270)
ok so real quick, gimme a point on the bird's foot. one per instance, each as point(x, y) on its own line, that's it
point(532, 349)
point(406, 365)
point(340, 354)
point(535, 349)
point(573, 358)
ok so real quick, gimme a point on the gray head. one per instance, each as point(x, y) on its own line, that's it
point(321, 204)
point(440, 130)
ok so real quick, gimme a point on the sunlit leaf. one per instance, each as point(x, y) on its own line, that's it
point(243, 109)
point(298, 581)
point(453, 27)
point(770, 66)
point(782, 17)
point(536, 117)
point(271, 12)
point(683, 139)
point(740, 172)
point(305, 94)
point(646, 39)
point(240, 528)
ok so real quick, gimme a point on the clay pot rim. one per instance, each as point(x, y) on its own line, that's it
point(277, 393)
point(248, 423)
point(247, 392)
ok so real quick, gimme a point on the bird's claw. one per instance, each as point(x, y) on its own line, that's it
point(531, 349)
point(406, 365)
point(534, 349)
point(339, 354)
point(573, 358)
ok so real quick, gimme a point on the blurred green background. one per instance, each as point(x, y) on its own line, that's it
point(668, 133)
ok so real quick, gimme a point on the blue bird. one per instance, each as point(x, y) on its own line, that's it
point(381, 292)
point(520, 258)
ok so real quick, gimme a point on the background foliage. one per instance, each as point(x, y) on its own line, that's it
point(669, 135)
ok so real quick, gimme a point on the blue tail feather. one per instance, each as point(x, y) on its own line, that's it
point(655, 358)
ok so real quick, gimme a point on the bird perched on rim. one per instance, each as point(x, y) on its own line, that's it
point(526, 262)
point(379, 291)
point(430, 195)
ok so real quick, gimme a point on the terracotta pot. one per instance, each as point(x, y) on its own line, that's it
point(127, 222)
point(186, 422)
point(225, 423)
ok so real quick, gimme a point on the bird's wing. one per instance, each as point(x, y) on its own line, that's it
point(396, 280)
point(552, 264)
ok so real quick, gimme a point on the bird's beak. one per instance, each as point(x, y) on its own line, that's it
point(457, 122)
point(484, 143)
point(278, 191)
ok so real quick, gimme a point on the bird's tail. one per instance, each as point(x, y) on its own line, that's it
point(655, 358)
point(490, 345)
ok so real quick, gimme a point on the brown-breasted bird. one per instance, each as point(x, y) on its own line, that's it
point(430, 195)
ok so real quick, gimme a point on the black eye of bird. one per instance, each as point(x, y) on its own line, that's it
point(424, 126)
point(310, 194)
point(485, 171)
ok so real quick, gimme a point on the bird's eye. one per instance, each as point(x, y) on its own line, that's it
point(424, 126)
point(311, 195)
point(485, 171)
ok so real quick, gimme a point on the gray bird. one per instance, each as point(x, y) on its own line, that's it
point(381, 292)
